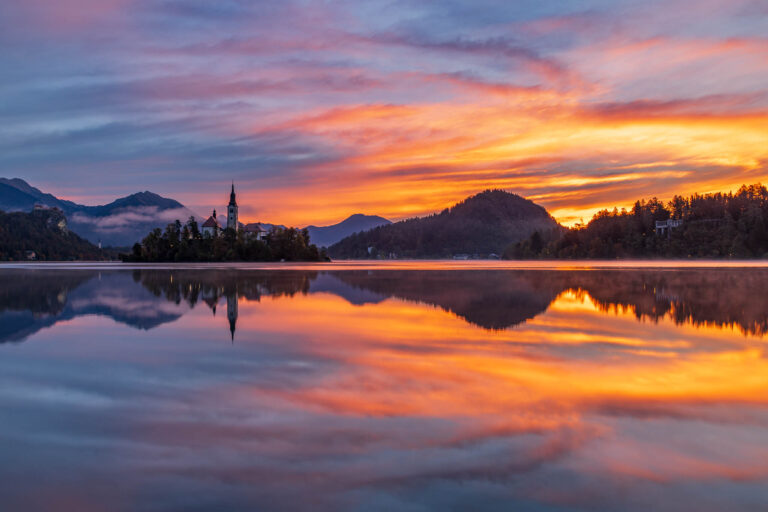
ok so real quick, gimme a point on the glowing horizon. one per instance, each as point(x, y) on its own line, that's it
point(318, 111)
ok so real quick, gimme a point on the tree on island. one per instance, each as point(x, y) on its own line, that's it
point(185, 242)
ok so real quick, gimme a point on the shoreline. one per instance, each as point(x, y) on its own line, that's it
point(400, 265)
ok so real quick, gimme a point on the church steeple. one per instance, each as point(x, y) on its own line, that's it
point(232, 201)
point(232, 312)
point(232, 210)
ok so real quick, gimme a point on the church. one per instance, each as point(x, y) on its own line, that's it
point(213, 228)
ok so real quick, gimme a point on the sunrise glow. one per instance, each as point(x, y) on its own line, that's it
point(320, 110)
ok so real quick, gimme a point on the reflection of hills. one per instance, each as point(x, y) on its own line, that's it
point(354, 294)
point(496, 299)
point(31, 300)
point(490, 299)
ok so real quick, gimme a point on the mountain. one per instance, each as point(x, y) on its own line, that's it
point(119, 223)
point(128, 219)
point(45, 297)
point(325, 236)
point(13, 199)
point(482, 224)
point(45, 233)
point(27, 197)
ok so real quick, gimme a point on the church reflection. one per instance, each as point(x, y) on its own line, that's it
point(31, 300)
point(212, 297)
point(232, 314)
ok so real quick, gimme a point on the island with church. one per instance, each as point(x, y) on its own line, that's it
point(235, 241)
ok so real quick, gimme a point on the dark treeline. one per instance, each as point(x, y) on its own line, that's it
point(42, 235)
point(711, 226)
point(185, 242)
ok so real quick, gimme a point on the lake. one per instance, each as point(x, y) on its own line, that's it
point(408, 386)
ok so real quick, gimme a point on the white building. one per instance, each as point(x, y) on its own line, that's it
point(211, 227)
point(256, 231)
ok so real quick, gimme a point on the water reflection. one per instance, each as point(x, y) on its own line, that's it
point(492, 299)
point(384, 390)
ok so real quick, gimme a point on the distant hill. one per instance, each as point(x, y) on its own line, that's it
point(45, 233)
point(482, 224)
point(325, 236)
point(119, 223)
point(127, 220)
point(17, 192)
point(13, 199)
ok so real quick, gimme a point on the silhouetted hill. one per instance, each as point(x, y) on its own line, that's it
point(119, 223)
point(35, 196)
point(44, 232)
point(325, 236)
point(12, 199)
point(482, 224)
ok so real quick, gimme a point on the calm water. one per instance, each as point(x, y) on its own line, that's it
point(382, 389)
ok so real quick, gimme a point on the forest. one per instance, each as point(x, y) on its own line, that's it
point(720, 225)
point(185, 242)
point(42, 235)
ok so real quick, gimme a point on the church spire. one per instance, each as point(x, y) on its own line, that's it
point(232, 222)
point(232, 201)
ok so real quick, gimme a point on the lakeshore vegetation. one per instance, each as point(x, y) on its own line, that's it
point(185, 242)
point(720, 225)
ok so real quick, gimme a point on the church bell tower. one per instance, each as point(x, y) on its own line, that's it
point(232, 210)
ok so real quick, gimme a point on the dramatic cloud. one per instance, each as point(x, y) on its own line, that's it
point(318, 110)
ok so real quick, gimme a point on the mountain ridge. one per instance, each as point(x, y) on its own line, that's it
point(485, 224)
point(119, 223)
point(325, 236)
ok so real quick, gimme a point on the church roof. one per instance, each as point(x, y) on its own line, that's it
point(255, 227)
point(211, 223)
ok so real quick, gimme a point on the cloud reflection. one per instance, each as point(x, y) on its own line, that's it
point(358, 390)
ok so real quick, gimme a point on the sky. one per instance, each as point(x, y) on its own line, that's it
point(320, 109)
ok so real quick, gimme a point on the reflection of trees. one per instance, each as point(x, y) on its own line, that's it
point(716, 297)
point(500, 299)
point(211, 286)
point(192, 286)
point(32, 299)
point(38, 291)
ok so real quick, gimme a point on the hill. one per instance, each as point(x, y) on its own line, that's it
point(482, 224)
point(325, 236)
point(45, 233)
point(119, 223)
point(126, 220)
